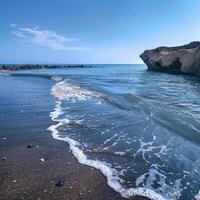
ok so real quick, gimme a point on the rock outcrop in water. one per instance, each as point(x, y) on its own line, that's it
point(182, 59)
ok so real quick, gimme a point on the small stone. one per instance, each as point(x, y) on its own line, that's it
point(14, 181)
point(4, 158)
point(4, 138)
point(60, 183)
point(42, 159)
point(30, 146)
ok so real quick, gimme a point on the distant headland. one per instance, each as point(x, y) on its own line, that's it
point(181, 59)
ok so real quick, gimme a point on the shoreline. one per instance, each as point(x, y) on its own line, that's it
point(32, 173)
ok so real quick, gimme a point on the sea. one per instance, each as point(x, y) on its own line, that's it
point(140, 128)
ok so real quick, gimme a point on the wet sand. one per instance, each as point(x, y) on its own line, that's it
point(24, 117)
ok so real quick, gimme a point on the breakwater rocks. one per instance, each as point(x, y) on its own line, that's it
point(181, 59)
point(29, 67)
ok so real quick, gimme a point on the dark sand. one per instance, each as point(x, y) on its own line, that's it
point(25, 103)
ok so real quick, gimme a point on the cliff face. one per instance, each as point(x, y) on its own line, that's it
point(181, 59)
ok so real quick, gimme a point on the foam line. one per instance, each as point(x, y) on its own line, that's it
point(105, 168)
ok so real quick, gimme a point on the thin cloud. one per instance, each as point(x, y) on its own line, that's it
point(45, 38)
point(13, 25)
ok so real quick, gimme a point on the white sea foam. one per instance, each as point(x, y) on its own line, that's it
point(3, 73)
point(57, 78)
point(66, 90)
point(197, 196)
point(61, 91)
point(146, 147)
point(120, 153)
point(109, 139)
point(152, 177)
point(110, 173)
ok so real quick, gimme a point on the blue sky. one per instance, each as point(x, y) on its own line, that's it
point(93, 31)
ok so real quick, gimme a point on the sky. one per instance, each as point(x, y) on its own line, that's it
point(93, 31)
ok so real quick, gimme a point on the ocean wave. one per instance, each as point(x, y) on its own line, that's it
point(178, 122)
point(66, 89)
point(63, 91)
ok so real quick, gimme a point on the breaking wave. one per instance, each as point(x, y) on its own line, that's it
point(64, 90)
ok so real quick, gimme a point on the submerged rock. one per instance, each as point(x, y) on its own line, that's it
point(182, 59)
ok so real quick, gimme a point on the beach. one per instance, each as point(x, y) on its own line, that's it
point(24, 109)
point(100, 100)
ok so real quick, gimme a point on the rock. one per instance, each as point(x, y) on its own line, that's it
point(60, 183)
point(30, 146)
point(36, 66)
point(4, 158)
point(42, 159)
point(80, 194)
point(182, 59)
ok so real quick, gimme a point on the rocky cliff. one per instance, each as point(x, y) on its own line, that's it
point(181, 59)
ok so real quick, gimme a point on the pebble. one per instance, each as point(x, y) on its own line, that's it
point(30, 146)
point(4, 138)
point(60, 183)
point(42, 159)
point(14, 181)
point(80, 194)
point(4, 158)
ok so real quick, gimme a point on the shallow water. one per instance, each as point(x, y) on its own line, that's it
point(140, 128)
